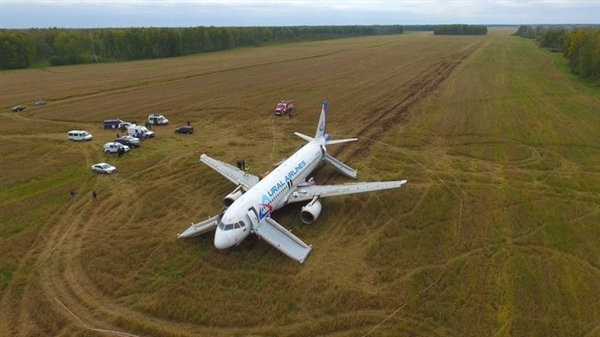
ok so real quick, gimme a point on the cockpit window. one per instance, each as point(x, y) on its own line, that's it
point(228, 227)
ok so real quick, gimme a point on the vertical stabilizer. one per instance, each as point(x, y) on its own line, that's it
point(321, 127)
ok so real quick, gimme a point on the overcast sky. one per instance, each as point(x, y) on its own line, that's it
point(190, 13)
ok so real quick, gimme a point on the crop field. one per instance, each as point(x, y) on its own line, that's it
point(496, 233)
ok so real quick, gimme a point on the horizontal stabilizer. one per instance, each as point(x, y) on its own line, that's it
point(305, 137)
point(200, 228)
point(282, 239)
point(341, 167)
point(339, 141)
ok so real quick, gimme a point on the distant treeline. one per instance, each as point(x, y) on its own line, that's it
point(580, 45)
point(460, 30)
point(23, 48)
point(419, 28)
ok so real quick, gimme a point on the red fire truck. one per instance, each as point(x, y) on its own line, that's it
point(284, 107)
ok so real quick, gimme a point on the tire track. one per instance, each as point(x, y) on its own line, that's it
point(396, 109)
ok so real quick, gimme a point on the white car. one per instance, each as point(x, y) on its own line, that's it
point(113, 147)
point(103, 168)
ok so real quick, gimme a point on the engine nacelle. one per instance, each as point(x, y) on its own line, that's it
point(310, 212)
point(231, 197)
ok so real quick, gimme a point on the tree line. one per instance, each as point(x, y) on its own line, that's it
point(459, 29)
point(55, 46)
point(580, 45)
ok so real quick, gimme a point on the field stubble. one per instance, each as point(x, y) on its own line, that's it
point(493, 235)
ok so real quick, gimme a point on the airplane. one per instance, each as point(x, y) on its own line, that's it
point(248, 208)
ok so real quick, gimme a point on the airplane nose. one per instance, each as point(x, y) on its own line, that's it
point(221, 240)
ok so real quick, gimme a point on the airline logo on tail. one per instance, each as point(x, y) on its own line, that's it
point(322, 120)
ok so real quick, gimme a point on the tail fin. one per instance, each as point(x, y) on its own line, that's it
point(322, 120)
point(321, 130)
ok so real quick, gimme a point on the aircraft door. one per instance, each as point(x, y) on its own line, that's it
point(252, 215)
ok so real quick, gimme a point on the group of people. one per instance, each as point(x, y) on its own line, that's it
point(242, 166)
point(75, 197)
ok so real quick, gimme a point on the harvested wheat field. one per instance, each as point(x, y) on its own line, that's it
point(495, 234)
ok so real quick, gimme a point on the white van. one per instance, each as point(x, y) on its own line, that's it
point(157, 119)
point(139, 131)
point(79, 135)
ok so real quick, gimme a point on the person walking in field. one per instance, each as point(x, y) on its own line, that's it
point(73, 195)
point(94, 196)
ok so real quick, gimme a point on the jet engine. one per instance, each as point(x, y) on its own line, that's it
point(233, 196)
point(311, 212)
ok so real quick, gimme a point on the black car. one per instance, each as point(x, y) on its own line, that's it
point(128, 142)
point(185, 129)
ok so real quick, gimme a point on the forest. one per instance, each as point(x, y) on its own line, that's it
point(580, 45)
point(460, 30)
point(55, 46)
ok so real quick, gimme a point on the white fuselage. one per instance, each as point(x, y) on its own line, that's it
point(268, 195)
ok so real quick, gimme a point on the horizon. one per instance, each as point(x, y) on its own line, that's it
point(84, 14)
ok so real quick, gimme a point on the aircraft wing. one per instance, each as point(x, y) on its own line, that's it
point(304, 193)
point(200, 228)
point(282, 239)
point(230, 172)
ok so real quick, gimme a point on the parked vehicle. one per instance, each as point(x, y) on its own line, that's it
point(113, 147)
point(284, 107)
point(18, 108)
point(157, 119)
point(103, 168)
point(124, 125)
point(139, 131)
point(185, 129)
point(112, 123)
point(79, 135)
point(129, 141)
point(40, 103)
